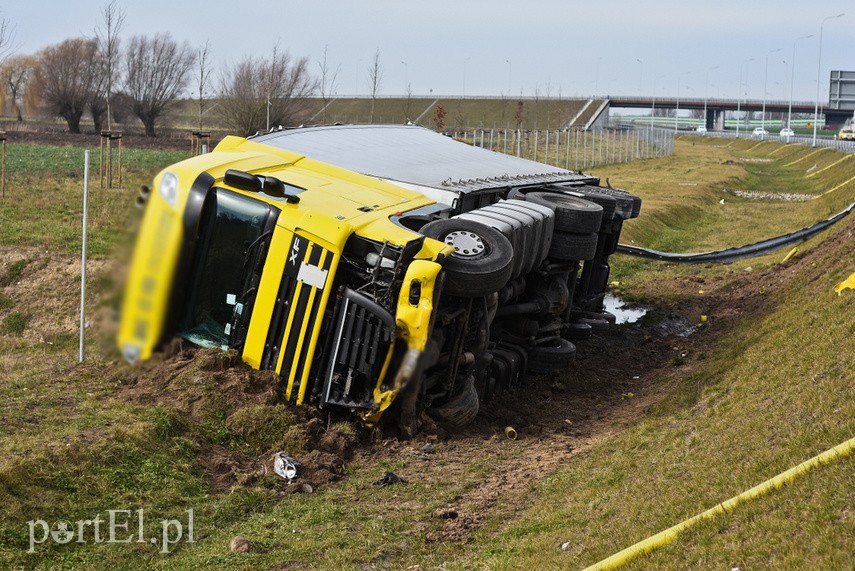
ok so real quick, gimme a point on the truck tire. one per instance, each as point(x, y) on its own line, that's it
point(567, 246)
point(609, 203)
point(556, 354)
point(460, 410)
point(483, 257)
point(624, 210)
point(572, 214)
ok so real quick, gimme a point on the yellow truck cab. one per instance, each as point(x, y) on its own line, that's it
point(372, 265)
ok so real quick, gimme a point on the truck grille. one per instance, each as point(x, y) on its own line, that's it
point(297, 314)
point(363, 334)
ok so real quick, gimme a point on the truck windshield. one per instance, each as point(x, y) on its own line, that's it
point(231, 246)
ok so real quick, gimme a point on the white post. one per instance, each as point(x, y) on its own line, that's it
point(83, 255)
point(792, 78)
point(739, 95)
point(765, 84)
point(818, 70)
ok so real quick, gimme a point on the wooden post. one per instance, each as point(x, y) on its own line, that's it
point(200, 142)
point(106, 159)
point(101, 160)
point(3, 167)
point(118, 135)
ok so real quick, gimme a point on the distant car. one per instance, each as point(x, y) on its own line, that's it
point(759, 133)
point(847, 133)
point(702, 130)
point(787, 132)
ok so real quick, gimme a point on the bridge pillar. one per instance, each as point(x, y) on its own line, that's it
point(715, 119)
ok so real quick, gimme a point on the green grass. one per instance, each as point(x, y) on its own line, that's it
point(15, 323)
point(44, 201)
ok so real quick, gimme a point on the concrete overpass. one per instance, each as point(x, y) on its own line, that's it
point(716, 108)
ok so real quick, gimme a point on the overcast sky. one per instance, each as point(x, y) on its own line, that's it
point(494, 47)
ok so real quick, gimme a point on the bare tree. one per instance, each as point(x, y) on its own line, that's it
point(17, 75)
point(7, 37)
point(328, 82)
point(203, 76)
point(375, 76)
point(99, 104)
point(107, 35)
point(67, 76)
point(254, 87)
point(156, 73)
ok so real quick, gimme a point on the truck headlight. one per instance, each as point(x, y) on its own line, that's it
point(168, 188)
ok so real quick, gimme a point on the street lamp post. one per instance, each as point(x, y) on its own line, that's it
point(653, 103)
point(406, 77)
point(792, 79)
point(818, 68)
point(677, 110)
point(765, 84)
point(464, 76)
point(640, 77)
point(507, 61)
point(706, 92)
point(739, 95)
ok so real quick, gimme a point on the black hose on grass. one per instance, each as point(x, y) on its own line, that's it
point(747, 251)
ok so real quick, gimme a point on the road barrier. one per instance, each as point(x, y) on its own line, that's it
point(747, 251)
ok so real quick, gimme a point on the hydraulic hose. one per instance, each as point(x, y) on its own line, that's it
point(747, 251)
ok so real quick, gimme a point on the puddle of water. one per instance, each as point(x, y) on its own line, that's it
point(623, 314)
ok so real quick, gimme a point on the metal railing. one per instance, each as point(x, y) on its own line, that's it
point(574, 149)
point(846, 146)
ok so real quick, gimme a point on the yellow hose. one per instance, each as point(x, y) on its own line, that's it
point(670, 534)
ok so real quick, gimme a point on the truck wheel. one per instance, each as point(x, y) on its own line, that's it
point(556, 354)
point(566, 246)
point(629, 205)
point(609, 203)
point(461, 410)
point(483, 257)
point(572, 214)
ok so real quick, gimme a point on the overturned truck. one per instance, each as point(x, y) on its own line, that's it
point(375, 268)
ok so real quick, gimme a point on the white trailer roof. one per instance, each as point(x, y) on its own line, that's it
point(416, 156)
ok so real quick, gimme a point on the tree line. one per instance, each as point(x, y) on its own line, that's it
point(145, 76)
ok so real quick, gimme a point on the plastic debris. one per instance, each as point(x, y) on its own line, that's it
point(848, 283)
point(285, 467)
point(790, 255)
point(388, 479)
point(511, 432)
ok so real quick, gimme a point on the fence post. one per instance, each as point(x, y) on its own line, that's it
point(3, 164)
point(585, 150)
point(83, 253)
point(567, 152)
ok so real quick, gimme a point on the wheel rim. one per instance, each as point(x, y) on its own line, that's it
point(466, 244)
